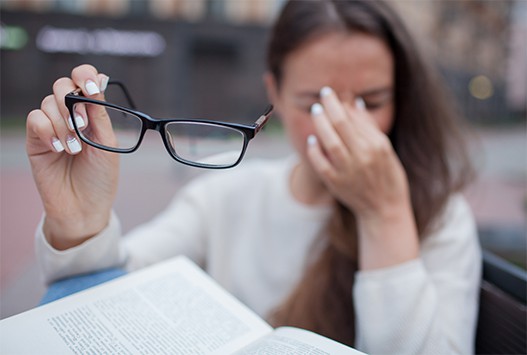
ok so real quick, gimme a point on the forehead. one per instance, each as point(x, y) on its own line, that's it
point(344, 61)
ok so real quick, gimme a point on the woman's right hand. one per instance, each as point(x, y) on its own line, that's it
point(77, 183)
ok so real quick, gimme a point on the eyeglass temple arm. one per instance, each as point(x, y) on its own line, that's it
point(125, 91)
point(258, 125)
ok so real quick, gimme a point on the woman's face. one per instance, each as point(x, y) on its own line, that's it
point(354, 65)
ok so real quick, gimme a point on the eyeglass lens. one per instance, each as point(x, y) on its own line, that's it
point(205, 144)
point(109, 127)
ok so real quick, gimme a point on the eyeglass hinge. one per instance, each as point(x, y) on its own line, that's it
point(262, 120)
point(76, 92)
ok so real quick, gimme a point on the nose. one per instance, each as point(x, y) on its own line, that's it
point(345, 97)
point(348, 98)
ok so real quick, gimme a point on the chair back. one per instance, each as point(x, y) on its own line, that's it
point(502, 318)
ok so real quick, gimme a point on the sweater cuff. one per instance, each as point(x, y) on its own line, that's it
point(97, 253)
point(408, 269)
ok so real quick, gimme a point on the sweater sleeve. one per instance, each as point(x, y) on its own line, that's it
point(177, 230)
point(97, 253)
point(427, 305)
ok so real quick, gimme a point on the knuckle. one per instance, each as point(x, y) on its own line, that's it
point(326, 172)
point(35, 122)
point(340, 123)
point(83, 68)
point(60, 82)
point(47, 102)
point(335, 151)
point(365, 160)
point(32, 117)
point(332, 148)
point(382, 146)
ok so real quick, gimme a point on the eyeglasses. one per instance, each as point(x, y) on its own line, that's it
point(196, 142)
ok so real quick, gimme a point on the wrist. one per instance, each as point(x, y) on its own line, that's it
point(387, 239)
point(63, 234)
point(390, 211)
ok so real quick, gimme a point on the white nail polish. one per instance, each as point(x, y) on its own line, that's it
point(70, 124)
point(360, 104)
point(311, 140)
point(325, 91)
point(57, 145)
point(79, 121)
point(73, 145)
point(316, 109)
point(104, 83)
point(91, 88)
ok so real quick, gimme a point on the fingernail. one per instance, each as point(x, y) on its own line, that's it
point(57, 145)
point(325, 91)
point(70, 124)
point(79, 121)
point(91, 88)
point(104, 83)
point(360, 104)
point(311, 140)
point(316, 109)
point(73, 144)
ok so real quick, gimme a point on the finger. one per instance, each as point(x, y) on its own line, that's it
point(81, 110)
point(92, 84)
point(52, 113)
point(80, 114)
point(41, 137)
point(363, 123)
point(360, 104)
point(66, 138)
point(86, 77)
point(330, 141)
point(61, 88)
point(101, 128)
point(369, 136)
point(339, 116)
point(81, 118)
point(318, 160)
point(103, 81)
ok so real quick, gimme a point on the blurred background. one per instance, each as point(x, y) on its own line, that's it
point(205, 58)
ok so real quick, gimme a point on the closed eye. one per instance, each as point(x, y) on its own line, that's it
point(374, 105)
point(377, 100)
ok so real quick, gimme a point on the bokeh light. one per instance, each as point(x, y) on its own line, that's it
point(481, 87)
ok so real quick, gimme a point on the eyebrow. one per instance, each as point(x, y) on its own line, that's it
point(370, 92)
point(376, 91)
point(309, 94)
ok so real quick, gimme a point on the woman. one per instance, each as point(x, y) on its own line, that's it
point(362, 236)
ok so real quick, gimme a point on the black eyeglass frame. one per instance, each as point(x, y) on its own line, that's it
point(158, 124)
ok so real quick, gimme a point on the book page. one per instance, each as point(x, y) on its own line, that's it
point(295, 341)
point(172, 307)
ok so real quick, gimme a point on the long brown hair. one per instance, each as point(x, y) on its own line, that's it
point(425, 136)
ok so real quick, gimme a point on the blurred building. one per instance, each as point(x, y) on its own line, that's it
point(516, 76)
point(179, 57)
point(206, 57)
point(235, 11)
point(480, 47)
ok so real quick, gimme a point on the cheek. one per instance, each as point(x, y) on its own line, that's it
point(298, 127)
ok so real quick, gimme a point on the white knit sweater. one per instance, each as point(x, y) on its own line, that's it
point(246, 230)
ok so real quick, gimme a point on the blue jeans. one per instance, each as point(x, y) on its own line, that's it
point(68, 286)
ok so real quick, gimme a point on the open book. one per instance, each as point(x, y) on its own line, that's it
point(172, 307)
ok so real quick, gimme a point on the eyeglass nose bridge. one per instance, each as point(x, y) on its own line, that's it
point(153, 124)
point(158, 125)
